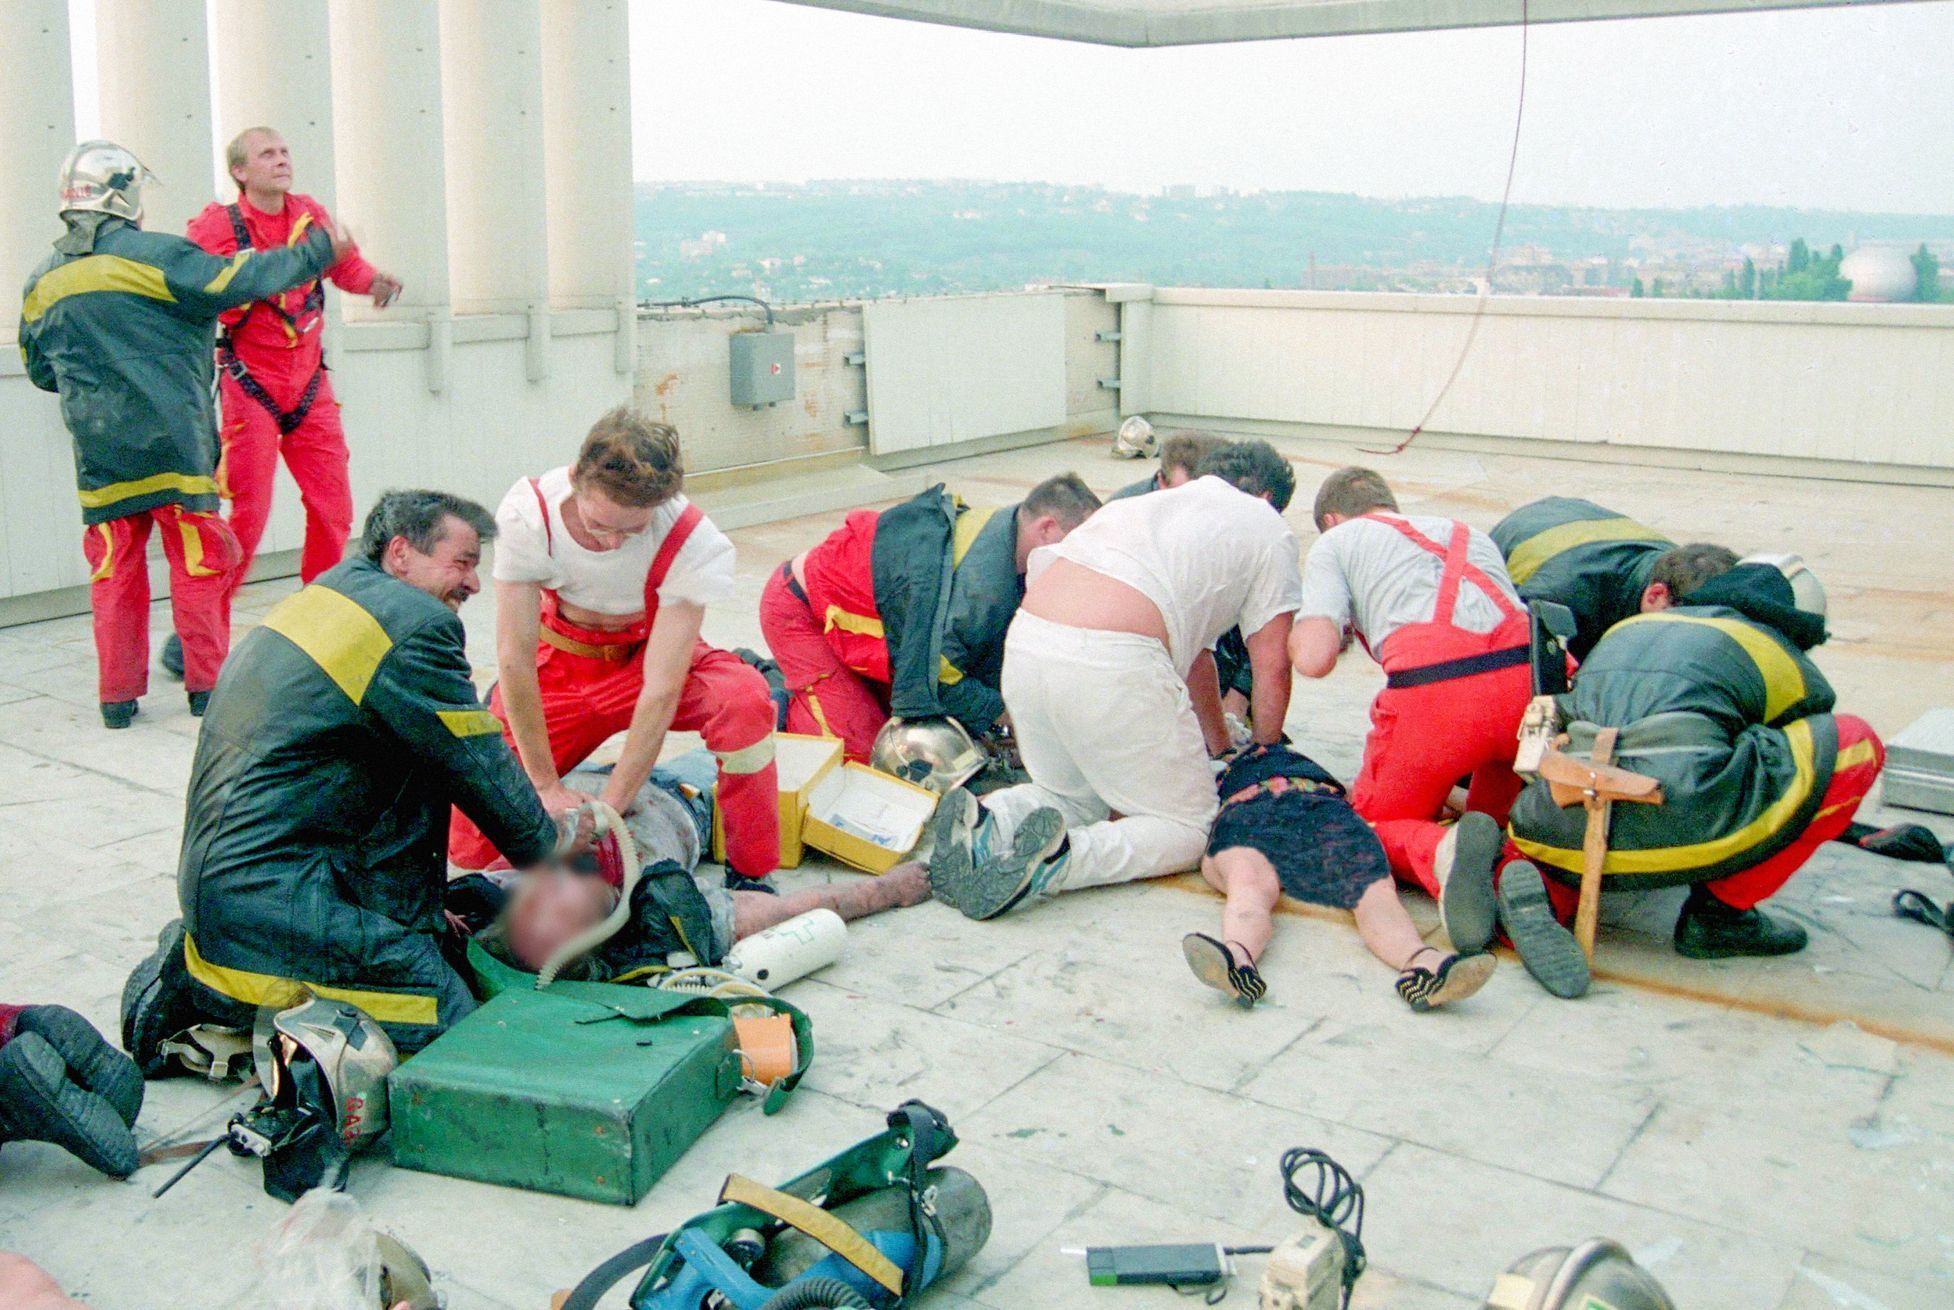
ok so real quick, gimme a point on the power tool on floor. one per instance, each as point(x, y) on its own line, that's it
point(869, 1229)
point(1314, 1270)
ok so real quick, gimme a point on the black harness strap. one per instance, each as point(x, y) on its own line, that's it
point(1446, 670)
point(315, 301)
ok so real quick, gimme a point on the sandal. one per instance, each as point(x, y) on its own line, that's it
point(1214, 964)
point(1455, 978)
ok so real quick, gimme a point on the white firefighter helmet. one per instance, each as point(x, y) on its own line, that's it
point(353, 1053)
point(1598, 1272)
point(100, 177)
point(1806, 589)
point(935, 753)
point(1135, 440)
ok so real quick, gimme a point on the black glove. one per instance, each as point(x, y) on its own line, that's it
point(60, 1082)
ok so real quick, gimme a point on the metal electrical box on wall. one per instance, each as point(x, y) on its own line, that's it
point(763, 367)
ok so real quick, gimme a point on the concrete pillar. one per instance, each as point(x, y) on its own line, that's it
point(492, 106)
point(153, 60)
point(587, 152)
point(274, 70)
point(37, 128)
point(387, 132)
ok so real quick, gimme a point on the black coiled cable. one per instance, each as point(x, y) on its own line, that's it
point(1317, 1186)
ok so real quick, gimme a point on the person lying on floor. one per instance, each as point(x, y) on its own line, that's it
point(525, 919)
point(1286, 826)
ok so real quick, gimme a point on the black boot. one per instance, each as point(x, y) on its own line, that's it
point(1707, 929)
point(199, 702)
point(172, 658)
point(118, 713)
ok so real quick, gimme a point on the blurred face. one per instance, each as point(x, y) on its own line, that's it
point(267, 166)
point(550, 907)
point(447, 572)
point(608, 523)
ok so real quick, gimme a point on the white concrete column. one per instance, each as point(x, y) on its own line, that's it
point(274, 70)
point(492, 106)
point(154, 64)
point(387, 133)
point(587, 151)
point(37, 128)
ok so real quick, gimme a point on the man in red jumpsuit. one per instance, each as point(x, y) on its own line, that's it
point(1430, 599)
point(273, 386)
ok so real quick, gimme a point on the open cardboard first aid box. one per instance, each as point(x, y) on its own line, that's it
point(866, 818)
point(800, 762)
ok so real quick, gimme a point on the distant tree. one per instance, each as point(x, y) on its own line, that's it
point(1655, 289)
point(1747, 284)
point(1926, 275)
point(1808, 276)
point(1730, 291)
point(1635, 291)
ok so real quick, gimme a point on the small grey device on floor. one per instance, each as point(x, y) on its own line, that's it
point(1192, 1265)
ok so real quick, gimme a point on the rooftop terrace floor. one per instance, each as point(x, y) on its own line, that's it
point(1764, 1135)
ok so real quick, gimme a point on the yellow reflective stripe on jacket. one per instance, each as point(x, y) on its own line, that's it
point(969, 524)
point(190, 484)
point(947, 674)
point(1784, 682)
point(1531, 554)
point(838, 617)
point(469, 723)
point(91, 273)
point(223, 279)
point(338, 634)
point(270, 989)
point(1697, 855)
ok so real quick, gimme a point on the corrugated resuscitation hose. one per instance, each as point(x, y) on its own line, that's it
point(608, 821)
point(817, 1294)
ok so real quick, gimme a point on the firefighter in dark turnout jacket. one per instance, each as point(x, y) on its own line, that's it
point(120, 321)
point(1717, 700)
point(903, 612)
point(1575, 553)
point(317, 820)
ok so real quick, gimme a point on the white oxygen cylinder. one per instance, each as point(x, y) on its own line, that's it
point(789, 951)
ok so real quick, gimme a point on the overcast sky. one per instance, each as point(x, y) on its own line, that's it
point(1847, 108)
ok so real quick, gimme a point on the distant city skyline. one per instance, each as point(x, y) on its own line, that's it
point(1841, 108)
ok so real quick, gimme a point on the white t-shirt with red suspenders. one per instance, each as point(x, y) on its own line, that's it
point(533, 545)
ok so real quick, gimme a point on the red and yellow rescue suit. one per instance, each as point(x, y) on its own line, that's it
point(590, 680)
point(273, 387)
point(898, 612)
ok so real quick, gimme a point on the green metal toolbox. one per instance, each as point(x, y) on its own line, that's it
point(586, 1089)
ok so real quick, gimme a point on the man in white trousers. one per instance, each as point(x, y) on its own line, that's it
point(1109, 679)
